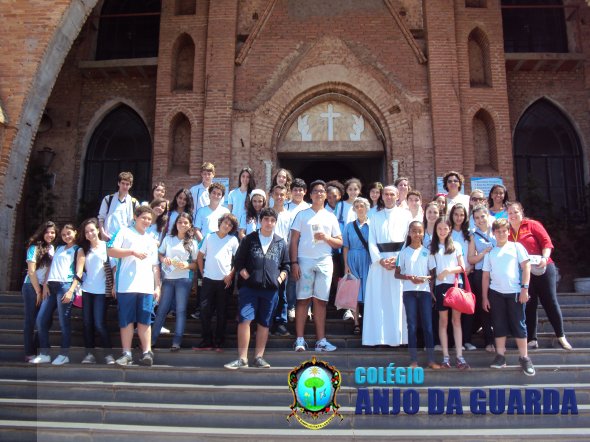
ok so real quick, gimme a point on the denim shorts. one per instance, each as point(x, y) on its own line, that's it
point(258, 304)
point(135, 307)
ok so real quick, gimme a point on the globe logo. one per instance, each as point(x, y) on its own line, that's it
point(314, 389)
point(314, 385)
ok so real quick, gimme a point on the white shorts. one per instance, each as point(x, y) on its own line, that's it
point(315, 279)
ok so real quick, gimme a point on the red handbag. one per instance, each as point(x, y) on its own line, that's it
point(459, 299)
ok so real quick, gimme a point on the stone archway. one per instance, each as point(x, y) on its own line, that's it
point(28, 115)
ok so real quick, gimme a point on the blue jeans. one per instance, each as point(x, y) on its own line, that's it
point(94, 307)
point(177, 290)
point(291, 293)
point(31, 310)
point(281, 309)
point(419, 302)
point(45, 317)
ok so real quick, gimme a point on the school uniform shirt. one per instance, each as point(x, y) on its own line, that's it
point(118, 215)
point(39, 271)
point(63, 265)
point(503, 263)
point(482, 241)
point(200, 196)
point(218, 255)
point(414, 262)
point(237, 199)
point(135, 275)
point(303, 223)
point(460, 240)
point(248, 226)
point(296, 208)
point(207, 219)
point(94, 276)
point(283, 225)
point(442, 261)
point(173, 247)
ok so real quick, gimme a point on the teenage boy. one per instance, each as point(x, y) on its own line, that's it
point(215, 264)
point(505, 292)
point(262, 261)
point(116, 210)
point(296, 205)
point(137, 284)
point(200, 192)
point(314, 233)
point(207, 218)
point(282, 229)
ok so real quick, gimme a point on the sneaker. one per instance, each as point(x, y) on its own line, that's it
point(109, 360)
point(291, 314)
point(175, 348)
point(61, 360)
point(125, 359)
point(438, 347)
point(259, 362)
point(324, 345)
point(29, 358)
point(204, 345)
point(490, 348)
point(171, 315)
point(348, 315)
point(446, 363)
point(527, 366)
point(89, 359)
point(41, 359)
point(533, 344)
point(462, 363)
point(147, 359)
point(281, 330)
point(164, 331)
point(300, 344)
point(564, 344)
point(238, 363)
point(499, 362)
point(470, 347)
point(196, 315)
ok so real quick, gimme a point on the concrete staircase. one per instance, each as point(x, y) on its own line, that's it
point(190, 396)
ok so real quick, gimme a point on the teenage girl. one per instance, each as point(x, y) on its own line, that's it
point(412, 268)
point(58, 292)
point(352, 187)
point(159, 206)
point(498, 200)
point(284, 177)
point(182, 202)
point(431, 214)
point(236, 200)
point(250, 221)
point(94, 296)
point(445, 261)
point(39, 256)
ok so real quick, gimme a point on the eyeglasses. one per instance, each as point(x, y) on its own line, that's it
point(319, 192)
point(477, 199)
point(453, 181)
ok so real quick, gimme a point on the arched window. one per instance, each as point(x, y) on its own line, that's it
point(180, 142)
point(534, 28)
point(480, 73)
point(484, 142)
point(548, 163)
point(183, 64)
point(128, 29)
point(121, 142)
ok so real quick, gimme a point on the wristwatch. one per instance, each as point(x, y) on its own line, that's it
point(524, 286)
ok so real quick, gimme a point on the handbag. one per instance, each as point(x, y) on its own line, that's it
point(348, 292)
point(77, 297)
point(459, 299)
point(109, 278)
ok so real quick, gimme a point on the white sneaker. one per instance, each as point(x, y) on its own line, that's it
point(89, 359)
point(61, 360)
point(291, 314)
point(348, 315)
point(324, 345)
point(41, 359)
point(438, 347)
point(164, 331)
point(109, 360)
point(470, 347)
point(300, 344)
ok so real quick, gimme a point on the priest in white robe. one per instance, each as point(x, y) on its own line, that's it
point(384, 317)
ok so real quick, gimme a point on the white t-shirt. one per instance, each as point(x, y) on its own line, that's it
point(207, 220)
point(237, 199)
point(283, 225)
point(63, 265)
point(173, 247)
point(118, 215)
point(200, 196)
point(136, 275)
point(39, 271)
point(459, 198)
point(503, 263)
point(323, 221)
point(459, 240)
point(296, 208)
point(264, 241)
point(94, 278)
point(414, 262)
point(218, 255)
point(441, 261)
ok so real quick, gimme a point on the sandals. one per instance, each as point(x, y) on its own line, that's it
point(356, 330)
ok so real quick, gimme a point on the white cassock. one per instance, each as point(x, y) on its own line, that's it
point(384, 317)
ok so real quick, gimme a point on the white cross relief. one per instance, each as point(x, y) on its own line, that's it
point(330, 115)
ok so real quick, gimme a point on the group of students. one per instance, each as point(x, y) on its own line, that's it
point(405, 256)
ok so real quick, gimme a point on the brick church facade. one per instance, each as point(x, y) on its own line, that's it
point(328, 88)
